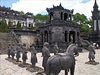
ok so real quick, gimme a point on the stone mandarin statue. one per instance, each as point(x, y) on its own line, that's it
point(13, 51)
point(56, 49)
point(45, 54)
point(91, 53)
point(24, 56)
point(33, 55)
point(9, 50)
point(91, 50)
point(18, 49)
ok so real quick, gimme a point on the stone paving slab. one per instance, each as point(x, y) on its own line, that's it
point(8, 68)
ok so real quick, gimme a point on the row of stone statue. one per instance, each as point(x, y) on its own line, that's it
point(45, 53)
point(22, 48)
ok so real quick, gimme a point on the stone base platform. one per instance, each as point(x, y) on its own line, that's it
point(36, 69)
point(92, 63)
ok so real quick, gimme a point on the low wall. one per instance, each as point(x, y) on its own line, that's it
point(27, 37)
point(28, 40)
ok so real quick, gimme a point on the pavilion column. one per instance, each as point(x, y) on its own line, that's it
point(49, 36)
point(63, 16)
point(68, 18)
point(68, 36)
point(75, 37)
point(43, 38)
point(49, 17)
point(79, 37)
point(71, 18)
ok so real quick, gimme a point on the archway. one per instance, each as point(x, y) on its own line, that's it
point(46, 36)
point(29, 25)
point(51, 16)
point(72, 37)
point(65, 16)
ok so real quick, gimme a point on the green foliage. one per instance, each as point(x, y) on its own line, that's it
point(74, 22)
point(22, 13)
point(90, 29)
point(3, 26)
point(41, 18)
point(18, 26)
point(81, 18)
point(32, 28)
point(89, 21)
point(25, 15)
point(9, 23)
point(84, 28)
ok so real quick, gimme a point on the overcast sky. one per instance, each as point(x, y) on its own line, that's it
point(39, 6)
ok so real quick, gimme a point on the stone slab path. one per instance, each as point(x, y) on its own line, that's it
point(8, 68)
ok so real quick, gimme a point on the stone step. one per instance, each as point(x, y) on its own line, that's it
point(5, 38)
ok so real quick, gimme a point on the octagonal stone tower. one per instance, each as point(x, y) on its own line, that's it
point(60, 28)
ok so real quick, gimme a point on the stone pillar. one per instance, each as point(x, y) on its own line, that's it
point(40, 38)
point(63, 16)
point(68, 36)
point(49, 17)
point(43, 38)
point(76, 37)
point(71, 18)
point(68, 18)
point(49, 36)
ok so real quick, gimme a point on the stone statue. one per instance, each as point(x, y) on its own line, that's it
point(64, 61)
point(9, 50)
point(13, 51)
point(24, 56)
point(91, 53)
point(45, 54)
point(33, 55)
point(91, 50)
point(18, 49)
point(56, 48)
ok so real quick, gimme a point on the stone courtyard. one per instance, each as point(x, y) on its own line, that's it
point(8, 68)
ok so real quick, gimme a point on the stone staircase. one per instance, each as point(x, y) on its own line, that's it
point(6, 38)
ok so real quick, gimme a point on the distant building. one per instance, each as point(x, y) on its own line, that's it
point(95, 35)
point(15, 16)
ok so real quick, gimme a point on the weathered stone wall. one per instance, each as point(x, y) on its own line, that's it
point(6, 38)
point(28, 40)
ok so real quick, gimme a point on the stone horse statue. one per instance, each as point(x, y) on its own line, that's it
point(63, 61)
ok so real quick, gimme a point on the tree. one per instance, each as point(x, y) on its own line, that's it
point(22, 13)
point(41, 18)
point(74, 22)
point(3, 26)
point(9, 23)
point(84, 28)
point(89, 21)
point(32, 28)
point(80, 18)
point(25, 15)
point(18, 26)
